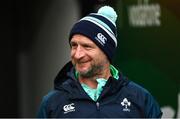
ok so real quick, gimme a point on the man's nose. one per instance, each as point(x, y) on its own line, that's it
point(79, 53)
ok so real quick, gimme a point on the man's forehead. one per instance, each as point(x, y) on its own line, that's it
point(81, 39)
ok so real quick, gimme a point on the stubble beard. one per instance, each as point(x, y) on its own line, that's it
point(93, 71)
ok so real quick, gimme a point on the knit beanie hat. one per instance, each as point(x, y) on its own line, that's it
point(100, 27)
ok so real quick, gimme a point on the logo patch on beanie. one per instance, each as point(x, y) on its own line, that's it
point(101, 38)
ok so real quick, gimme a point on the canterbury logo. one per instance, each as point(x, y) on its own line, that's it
point(101, 38)
point(69, 108)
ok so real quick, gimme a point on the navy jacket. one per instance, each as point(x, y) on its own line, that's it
point(119, 99)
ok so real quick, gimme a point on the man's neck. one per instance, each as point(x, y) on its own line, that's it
point(91, 81)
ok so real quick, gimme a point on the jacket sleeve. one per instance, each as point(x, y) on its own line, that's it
point(152, 108)
point(42, 112)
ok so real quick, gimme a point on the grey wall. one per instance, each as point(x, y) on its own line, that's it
point(49, 51)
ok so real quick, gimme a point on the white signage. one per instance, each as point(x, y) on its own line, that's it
point(144, 14)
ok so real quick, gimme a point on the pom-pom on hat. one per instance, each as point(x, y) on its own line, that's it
point(101, 28)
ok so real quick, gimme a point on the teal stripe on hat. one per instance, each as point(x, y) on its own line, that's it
point(99, 21)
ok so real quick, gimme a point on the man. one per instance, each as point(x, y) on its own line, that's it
point(90, 86)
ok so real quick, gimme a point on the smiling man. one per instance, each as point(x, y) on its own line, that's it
point(89, 61)
point(89, 86)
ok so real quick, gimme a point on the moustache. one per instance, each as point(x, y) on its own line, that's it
point(80, 61)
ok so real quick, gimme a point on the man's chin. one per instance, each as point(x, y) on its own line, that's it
point(84, 73)
point(82, 69)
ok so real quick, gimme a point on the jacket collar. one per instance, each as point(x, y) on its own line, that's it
point(65, 80)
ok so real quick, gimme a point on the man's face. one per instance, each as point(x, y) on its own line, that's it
point(87, 57)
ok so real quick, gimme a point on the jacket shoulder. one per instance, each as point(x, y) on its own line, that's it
point(49, 103)
point(137, 89)
point(53, 95)
point(144, 99)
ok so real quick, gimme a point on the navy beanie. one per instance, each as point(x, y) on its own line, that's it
point(101, 28)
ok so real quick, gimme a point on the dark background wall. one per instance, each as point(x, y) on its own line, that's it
point(8, 64)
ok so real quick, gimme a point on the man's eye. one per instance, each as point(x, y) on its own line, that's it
point(73, 45)
point(87, 46)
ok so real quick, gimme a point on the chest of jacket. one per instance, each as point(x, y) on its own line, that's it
point(114, 106)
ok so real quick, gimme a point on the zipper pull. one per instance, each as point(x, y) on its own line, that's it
point(97, 105)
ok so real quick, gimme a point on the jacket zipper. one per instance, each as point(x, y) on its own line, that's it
point(97, 106)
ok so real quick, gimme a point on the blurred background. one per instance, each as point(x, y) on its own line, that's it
point(34, 47)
